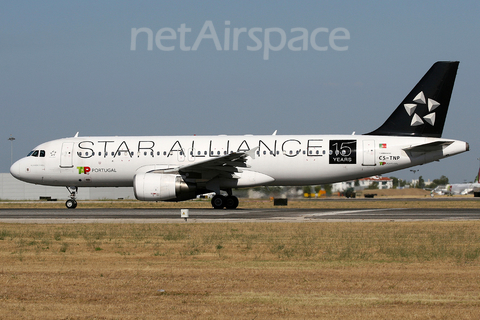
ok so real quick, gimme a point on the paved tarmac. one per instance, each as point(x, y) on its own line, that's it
point(240, 215)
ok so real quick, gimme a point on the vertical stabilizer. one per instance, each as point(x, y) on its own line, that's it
point(423, 111)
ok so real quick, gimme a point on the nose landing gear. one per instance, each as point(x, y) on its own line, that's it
point(72, 203)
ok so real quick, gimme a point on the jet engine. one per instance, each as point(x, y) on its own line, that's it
point(162, 187)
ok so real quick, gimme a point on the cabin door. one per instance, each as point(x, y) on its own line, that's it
point(368, 153)
point(66, 156)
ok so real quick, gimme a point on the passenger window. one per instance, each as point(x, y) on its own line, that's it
point(100, 153)
point(42, 153)
point(164, 153)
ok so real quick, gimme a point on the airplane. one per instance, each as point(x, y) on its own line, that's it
point(177, 168)
point(458, 188)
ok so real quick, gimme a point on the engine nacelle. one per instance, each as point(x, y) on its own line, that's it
point(162, 187)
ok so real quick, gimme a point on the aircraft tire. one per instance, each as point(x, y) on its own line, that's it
point(218, 202)
point(231, 202)
point(71, 204)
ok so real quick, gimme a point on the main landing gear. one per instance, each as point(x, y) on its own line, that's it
point(228, 202)
point(72, 203)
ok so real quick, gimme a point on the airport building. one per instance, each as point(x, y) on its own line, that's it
point(382, 183)
point(13, 189)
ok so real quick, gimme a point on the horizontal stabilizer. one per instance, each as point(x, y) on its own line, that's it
point(429, 147)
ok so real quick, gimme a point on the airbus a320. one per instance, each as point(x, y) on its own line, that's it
point(176, 168)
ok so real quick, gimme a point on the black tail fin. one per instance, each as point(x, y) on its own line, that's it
point(423, 112)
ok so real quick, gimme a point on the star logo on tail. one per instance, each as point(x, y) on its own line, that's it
point(420, 100)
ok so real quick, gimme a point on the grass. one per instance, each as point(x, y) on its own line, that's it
point(399, 270)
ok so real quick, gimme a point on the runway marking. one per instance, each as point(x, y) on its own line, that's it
point(333, 213)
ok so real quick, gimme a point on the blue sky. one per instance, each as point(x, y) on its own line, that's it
point(68, 66)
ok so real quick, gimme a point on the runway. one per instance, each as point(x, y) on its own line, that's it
point(241, 215)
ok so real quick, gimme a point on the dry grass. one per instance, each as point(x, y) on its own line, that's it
point(400, 270)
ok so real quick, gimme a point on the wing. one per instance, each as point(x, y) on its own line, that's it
point(218, 167)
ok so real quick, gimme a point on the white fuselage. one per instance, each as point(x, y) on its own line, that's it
point(278, 160)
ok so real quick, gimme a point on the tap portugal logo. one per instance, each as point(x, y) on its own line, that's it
point(87, 170)
point(84, 170)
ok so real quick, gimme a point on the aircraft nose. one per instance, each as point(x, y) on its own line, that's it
point(15, 170)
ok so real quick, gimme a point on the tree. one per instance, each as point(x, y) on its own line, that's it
point(436, 182)
point(394, 182)
point(421, 183)
point(373, 185)
point(307, 189)
point(328, 189)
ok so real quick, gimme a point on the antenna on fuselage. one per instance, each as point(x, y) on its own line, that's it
point(76, 135)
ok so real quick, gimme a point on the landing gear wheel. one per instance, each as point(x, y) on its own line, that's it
point(218, 202)
point(71, 204)
point(231, 202)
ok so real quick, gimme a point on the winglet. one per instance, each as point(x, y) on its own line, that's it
point(251, 153)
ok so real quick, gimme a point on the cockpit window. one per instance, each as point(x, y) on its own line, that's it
point(36, 153)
